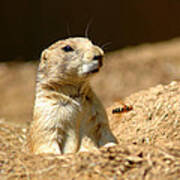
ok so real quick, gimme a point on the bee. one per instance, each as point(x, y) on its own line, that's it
point(125, 108)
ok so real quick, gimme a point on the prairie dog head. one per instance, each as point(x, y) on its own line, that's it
point(72, 59)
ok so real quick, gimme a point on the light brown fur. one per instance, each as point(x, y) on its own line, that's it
point(68, 117)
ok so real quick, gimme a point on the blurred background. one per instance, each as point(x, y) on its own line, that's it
point(28, 26)
point(143, 50)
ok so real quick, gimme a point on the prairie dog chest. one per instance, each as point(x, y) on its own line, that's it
point(79, 109)
point(86, 107)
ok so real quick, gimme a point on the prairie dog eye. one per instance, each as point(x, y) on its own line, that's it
point(67, 48)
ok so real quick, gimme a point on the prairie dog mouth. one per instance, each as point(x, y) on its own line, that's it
point(92, 67)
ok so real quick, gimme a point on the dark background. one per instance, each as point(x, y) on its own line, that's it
point(28, 26)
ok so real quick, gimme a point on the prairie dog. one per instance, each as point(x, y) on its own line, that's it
point(68, 117)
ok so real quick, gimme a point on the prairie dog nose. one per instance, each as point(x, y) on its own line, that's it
point(99, 58)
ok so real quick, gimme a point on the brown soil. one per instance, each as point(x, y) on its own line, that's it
point(148, 135)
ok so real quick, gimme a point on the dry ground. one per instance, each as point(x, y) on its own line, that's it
point(149, 135)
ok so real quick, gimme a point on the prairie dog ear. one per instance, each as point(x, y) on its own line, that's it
point(44, 55)
point(43, 60)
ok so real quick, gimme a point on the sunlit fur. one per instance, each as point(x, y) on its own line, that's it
point(68, 117)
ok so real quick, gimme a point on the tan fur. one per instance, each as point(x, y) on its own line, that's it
point(68, 117)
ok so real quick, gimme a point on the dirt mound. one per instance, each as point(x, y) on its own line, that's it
point(17, 82)
point(154, 112)
point(149, 145)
